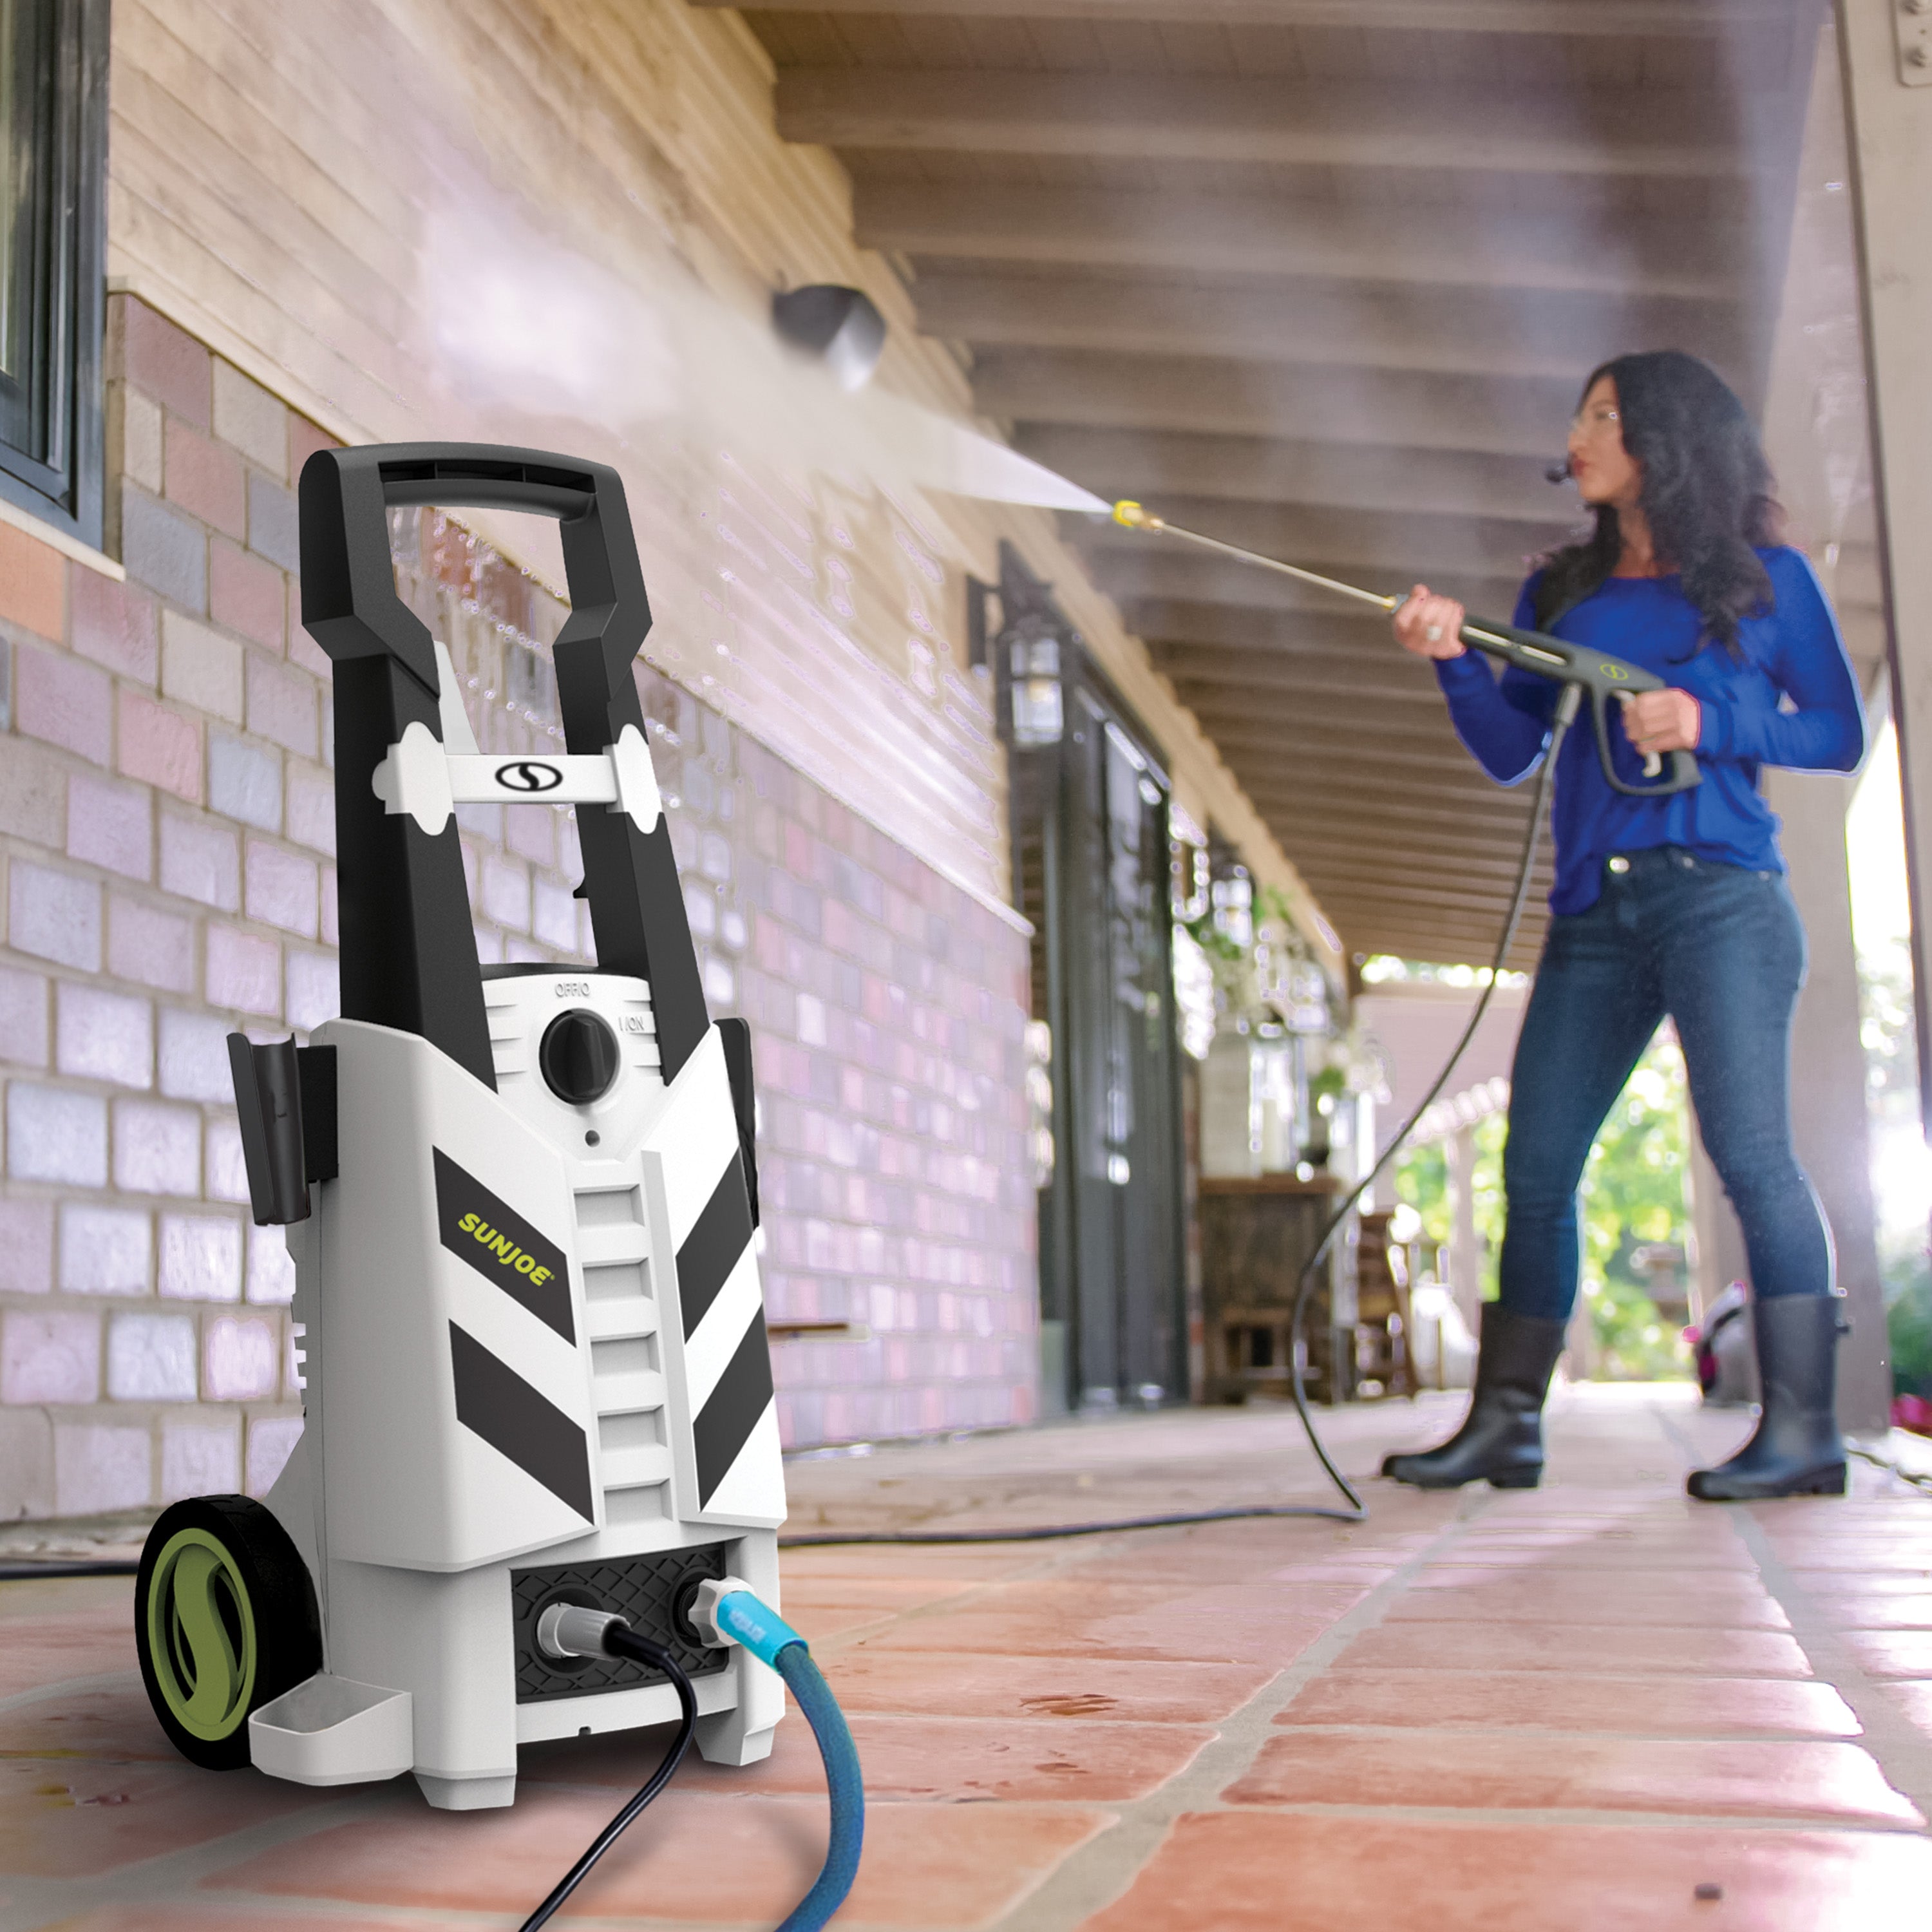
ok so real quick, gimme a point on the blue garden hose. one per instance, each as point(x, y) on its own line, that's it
point(771, 1640)
point(736, 1616)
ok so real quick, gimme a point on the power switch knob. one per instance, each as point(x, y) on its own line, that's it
point(579, 1057)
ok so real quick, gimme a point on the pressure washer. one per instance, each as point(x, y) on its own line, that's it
point(537, 1488)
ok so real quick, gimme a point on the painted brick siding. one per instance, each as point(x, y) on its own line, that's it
point(166, 833)
point(161, 887)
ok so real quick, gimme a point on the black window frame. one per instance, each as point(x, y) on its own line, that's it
point(53, 460)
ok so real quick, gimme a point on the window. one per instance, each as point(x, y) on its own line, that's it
point(53, 137)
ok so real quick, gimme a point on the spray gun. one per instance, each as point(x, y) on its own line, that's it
point(1593, 673)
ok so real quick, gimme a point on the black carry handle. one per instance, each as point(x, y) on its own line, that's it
point(1603, 677)
point(464, 477)
point(408, 952)
point(349, 597)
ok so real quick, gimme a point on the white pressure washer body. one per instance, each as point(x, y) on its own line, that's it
point(521, 1202)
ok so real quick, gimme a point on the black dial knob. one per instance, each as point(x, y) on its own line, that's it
point(579, 1057)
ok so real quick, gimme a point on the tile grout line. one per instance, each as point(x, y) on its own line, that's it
point(168, 1875)
point(1891, 1737)
point(46, 1693)
point(1092, 1876)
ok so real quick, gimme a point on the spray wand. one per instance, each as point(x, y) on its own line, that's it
point(1577, 673)
point(1601, 677)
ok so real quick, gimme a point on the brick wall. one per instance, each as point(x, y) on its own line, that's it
point(166, 820)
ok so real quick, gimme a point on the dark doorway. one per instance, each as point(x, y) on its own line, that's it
point(1092, 868)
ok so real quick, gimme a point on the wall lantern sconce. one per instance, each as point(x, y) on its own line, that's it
point(1039, 712)
point(841, 327)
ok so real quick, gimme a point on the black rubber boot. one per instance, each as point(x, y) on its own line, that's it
point(1501, 1436)
point(1796, 1450)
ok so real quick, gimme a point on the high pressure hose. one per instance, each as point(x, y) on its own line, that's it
point(1569, 701)
point(725, 1611)
point(738, 1617)
point(1131, 516)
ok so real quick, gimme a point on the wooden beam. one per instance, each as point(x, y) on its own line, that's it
point(1345, 779)
point(1258, 235)
point(1412, 929)
point(1500, 824)
point(1233, 716)
point(1390, 409)
point(1496, 877)
point(1333, 891)
point(1159, 467)
point(1392, 770)
point(1663, 20)
point(1345, 792)
point(1424, 700)
point(1176, 626)
point(1281, 666)
point(1302, 838)
point(1341, 833)
point(1559, 334)
point(1302, 835)
point(1399, 757)
point(1309, 827)
point(1665, 133)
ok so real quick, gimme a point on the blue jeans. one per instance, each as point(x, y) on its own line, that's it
point(1720, 950)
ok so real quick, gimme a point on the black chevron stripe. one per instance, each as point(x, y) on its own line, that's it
point(732, 1409)
point(496, 1402)
point(711, 1250)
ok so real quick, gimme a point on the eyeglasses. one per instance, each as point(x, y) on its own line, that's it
point(1593, 422)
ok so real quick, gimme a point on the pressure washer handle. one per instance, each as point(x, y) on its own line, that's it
point(1604, 678)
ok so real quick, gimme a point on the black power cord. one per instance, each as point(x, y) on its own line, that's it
point(31, 1572)
point(620, 1640)
point(1568, 703)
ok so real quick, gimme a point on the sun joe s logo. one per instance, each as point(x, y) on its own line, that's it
point(528, 775)
point(501, 1246)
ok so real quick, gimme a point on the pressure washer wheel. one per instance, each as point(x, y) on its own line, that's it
point(224, 1621)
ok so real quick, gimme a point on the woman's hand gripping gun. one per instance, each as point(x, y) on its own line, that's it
point(1599, 677)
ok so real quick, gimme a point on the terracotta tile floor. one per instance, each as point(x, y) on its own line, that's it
point(1569, 1708)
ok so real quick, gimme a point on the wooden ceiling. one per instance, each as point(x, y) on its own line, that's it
point(1321, 277)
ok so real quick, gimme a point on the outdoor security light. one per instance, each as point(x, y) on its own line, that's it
point(842, 327)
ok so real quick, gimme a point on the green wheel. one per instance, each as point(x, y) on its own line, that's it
point(224, 1621)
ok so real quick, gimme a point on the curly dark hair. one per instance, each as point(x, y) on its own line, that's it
point(1707, 491)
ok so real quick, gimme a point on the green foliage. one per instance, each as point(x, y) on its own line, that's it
point(1422, 1180)
point(1632, 1195)
point(1907, 1271)
point(1888, 1031)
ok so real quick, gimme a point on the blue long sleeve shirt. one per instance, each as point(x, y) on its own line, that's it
point(1789, 698)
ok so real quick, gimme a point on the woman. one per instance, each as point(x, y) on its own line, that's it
point(1671, 906)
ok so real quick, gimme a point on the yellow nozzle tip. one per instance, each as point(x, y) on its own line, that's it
point(1133, 516)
